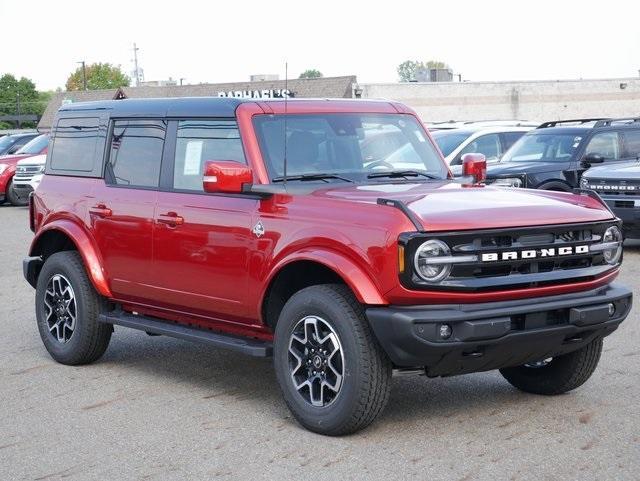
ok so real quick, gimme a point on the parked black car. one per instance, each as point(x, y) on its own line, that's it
point(10, 144)
point(554, 156)
point(619, 187)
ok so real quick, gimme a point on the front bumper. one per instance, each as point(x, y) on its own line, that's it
point(497, 334)
point(628, 211)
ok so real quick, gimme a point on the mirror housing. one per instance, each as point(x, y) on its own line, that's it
point(225, 177)
point(474, 166)
point(591, 158)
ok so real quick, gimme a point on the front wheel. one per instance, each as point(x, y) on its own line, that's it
point(556, 375)
point(15, 198)
point(334, 376)
point(67, 309)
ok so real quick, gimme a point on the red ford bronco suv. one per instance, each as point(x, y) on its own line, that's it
point(261, 227)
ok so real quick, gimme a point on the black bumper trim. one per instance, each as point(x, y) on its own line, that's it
point(31, 268)
point(498, 334)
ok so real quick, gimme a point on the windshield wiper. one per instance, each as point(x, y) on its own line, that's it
point(304, 177)
point(400, 173)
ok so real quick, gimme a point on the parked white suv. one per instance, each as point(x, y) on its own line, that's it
point(28, 174)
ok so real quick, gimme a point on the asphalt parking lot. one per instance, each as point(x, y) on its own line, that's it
point(159, 408)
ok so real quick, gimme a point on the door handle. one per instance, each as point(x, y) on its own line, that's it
point(100, 210)
point(171, 219)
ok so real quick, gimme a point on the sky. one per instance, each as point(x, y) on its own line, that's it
point(217, 41)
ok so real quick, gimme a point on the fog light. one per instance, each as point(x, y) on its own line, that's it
point(445, 331)
point(612, 309)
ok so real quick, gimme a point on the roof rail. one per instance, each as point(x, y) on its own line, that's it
point(607, 122)
point(553, 123)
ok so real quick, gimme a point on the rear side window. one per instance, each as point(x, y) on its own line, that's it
point(74, 144)
point(135, 153)
point(199, 141)
point(605, 144)
point(631, 144)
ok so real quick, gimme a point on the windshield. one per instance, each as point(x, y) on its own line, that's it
point(349, 146)
point(449, 140)
point(543, 147)
point(34, 146)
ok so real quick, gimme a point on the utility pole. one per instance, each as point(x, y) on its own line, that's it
point(18, 107)
point(84, 74)
point(135, 63)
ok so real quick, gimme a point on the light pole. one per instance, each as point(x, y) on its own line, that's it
point(135, 63)
point(18, 108)
point(84, 74)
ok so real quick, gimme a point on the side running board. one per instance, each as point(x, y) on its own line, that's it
point(252, 347)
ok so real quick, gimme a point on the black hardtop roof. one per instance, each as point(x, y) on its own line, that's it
point(210, 106)
point(181, 106)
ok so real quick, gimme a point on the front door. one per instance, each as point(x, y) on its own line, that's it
point(123, 206)
point(201, 241)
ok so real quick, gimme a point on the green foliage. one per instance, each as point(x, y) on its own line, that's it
point(99, 76)
point(407, 69)
point(23, 91)
point(311, 73)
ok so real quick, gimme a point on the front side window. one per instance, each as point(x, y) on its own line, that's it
point(135, 153)
point(547, 147)
point(199, 141)
point(605, 144)
point(488, 145)
point(353, 146)
point(74, 144)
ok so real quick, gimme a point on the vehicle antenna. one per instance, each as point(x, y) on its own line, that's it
point(286, 94)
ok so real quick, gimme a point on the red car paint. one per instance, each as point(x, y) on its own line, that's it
point(12, 161)
point(193, 258)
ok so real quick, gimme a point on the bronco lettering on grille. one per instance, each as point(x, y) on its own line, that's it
point(534, 253)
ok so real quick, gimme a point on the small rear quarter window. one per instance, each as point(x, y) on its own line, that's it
point(74, 144)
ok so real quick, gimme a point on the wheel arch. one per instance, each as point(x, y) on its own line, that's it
point(312, 268)
point(555, 185)
point(62, 235)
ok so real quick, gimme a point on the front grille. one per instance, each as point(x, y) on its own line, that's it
point(622, 188)
point(537, 260)
point(24, 173)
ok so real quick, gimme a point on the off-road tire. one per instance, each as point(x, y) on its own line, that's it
point(560, 375)
point(367, 369)
point(90, 338)
point(14, 198)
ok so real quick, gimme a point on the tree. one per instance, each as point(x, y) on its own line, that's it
point(99, 76)
point(407, 69)
point(311, 73)
point(19, 97)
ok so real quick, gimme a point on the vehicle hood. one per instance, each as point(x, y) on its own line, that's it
point(502, 169)
point(615, 171)
point(12, 159)
point(449, 205)
point(33, 160)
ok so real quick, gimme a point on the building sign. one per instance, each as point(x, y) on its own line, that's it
point(258, 94)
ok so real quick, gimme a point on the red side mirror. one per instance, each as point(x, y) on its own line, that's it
point(474, 166)
point(225, 176)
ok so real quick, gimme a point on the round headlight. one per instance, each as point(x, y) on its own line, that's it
point(612, 234)
point(426, 261)
point(584, 183)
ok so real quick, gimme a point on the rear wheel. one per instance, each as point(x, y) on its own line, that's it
point(14, 197)
point(333, 374)
point(67, 309)
point(556, 375)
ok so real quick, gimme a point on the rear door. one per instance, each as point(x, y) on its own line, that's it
point(122, 211)
point(201, 241)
